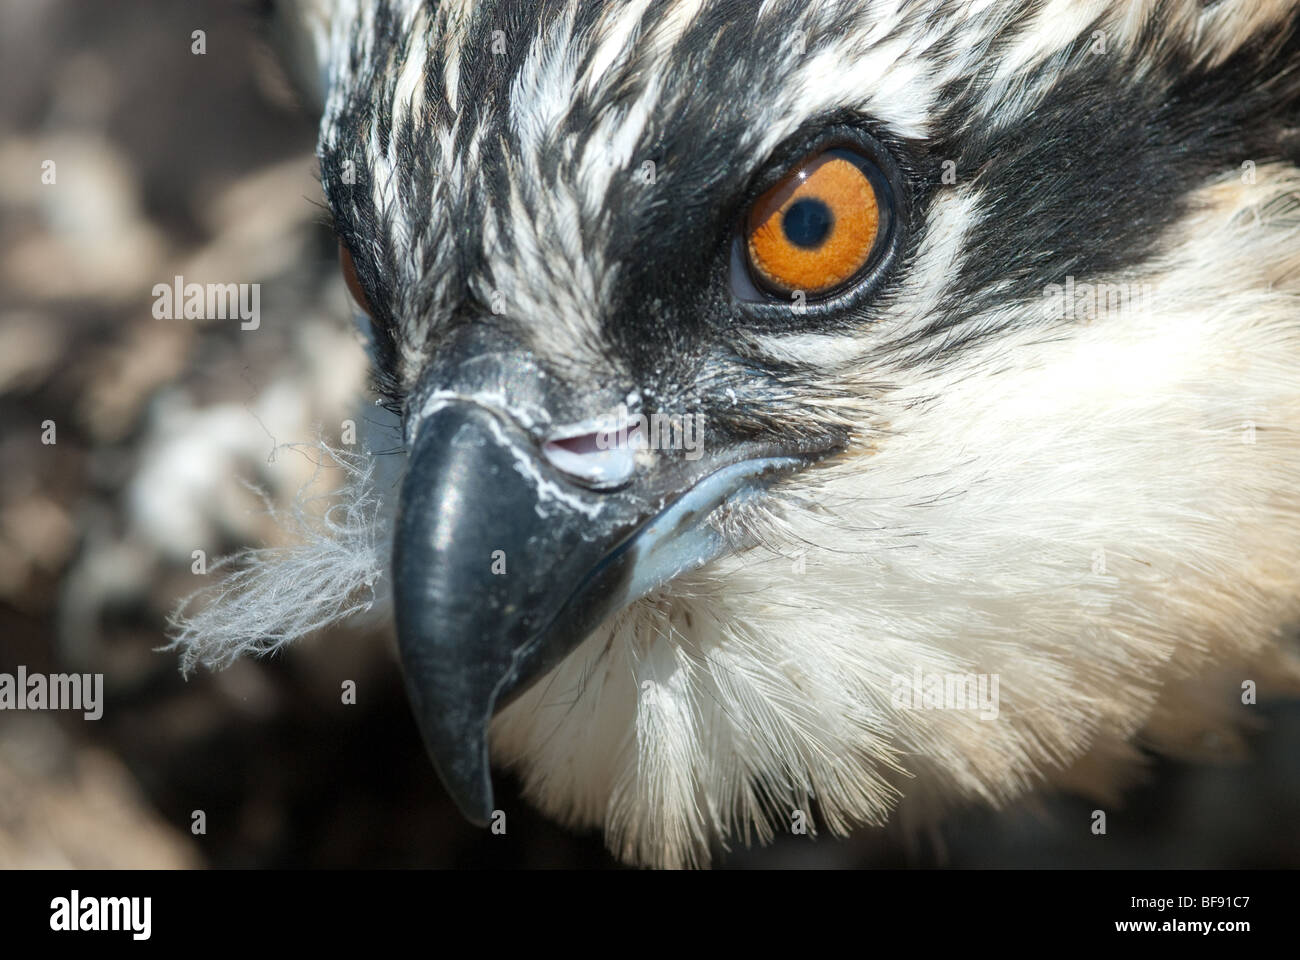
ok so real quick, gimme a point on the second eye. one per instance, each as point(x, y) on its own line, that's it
point(352, 280)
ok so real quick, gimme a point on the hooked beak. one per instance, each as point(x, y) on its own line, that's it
point(503, 564)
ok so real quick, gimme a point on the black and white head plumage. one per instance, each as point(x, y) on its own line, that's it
point(1064, 502)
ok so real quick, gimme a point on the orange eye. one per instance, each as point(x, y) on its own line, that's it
point(350, 278)
point(816, 229)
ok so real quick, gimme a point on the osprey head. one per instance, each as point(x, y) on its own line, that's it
point(758, 361)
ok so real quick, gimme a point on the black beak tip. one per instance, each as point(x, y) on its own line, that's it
point(460, 755)
point(473, 796)
point(456, 740)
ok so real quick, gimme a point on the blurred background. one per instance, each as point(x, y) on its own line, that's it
point(165, 163)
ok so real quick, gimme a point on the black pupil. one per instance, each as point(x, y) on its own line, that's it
point(807, 223)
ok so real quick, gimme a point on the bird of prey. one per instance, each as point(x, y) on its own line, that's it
point(812, 410)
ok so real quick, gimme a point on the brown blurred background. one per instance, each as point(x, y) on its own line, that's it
point(169, 163)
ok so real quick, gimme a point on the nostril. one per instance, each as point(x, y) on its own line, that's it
point(597, 458)
point(587, 443)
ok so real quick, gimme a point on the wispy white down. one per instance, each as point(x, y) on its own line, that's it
point(270, 596)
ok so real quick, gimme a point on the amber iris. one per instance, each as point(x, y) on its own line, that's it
point(815, 229)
